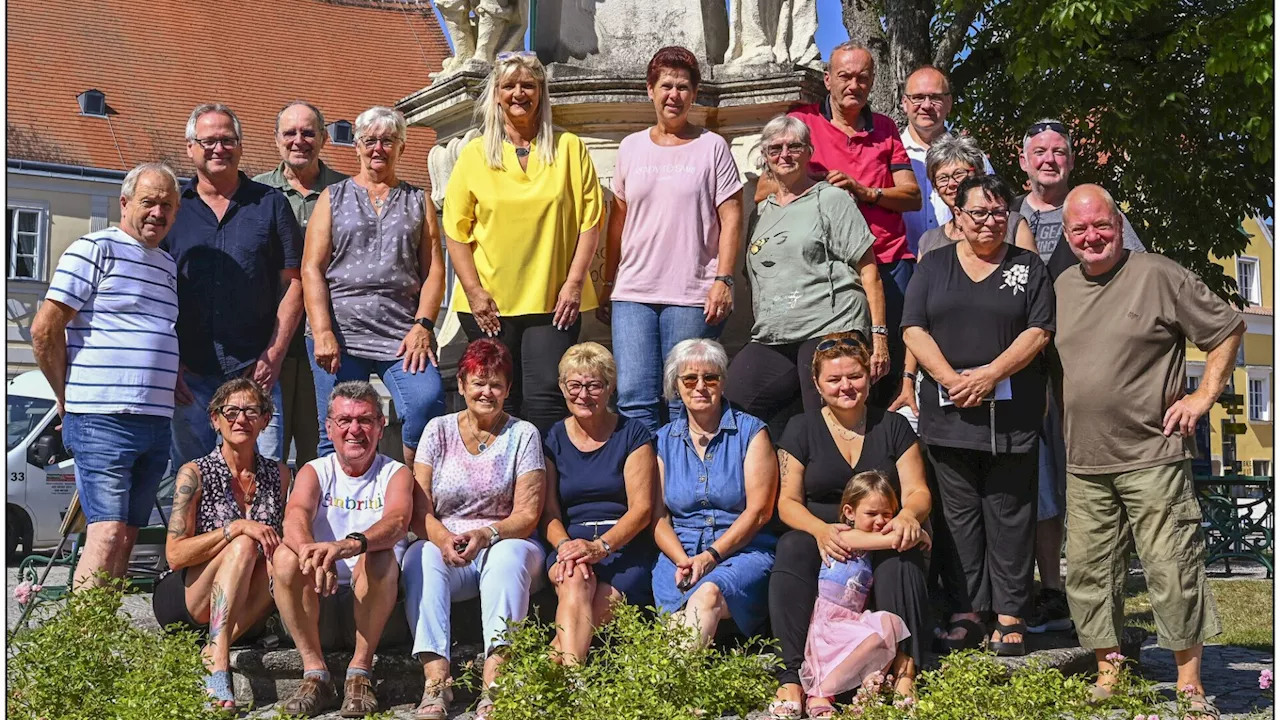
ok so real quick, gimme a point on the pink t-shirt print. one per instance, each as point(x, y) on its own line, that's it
point(671, 239)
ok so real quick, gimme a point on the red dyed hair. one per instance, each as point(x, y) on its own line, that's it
point(673, 57)
point(485, 356)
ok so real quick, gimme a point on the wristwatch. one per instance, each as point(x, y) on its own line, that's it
point(726, 279)
point(879, 330)
point(426, 323)
point(360, 538)
point(494, 535)
point(879, 194)
point(608, 549)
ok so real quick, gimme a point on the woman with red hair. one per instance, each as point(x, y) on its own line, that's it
point(480, 475)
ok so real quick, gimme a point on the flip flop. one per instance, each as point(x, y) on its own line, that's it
point(820, 707)
point(781, 709)
point(1010, 649)
point(1206, 710)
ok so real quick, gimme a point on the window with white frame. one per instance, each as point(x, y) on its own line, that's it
point(1262, 467)
point(1259, 395)
point(1194, 371)
point(1248, 279)
point(25, 229)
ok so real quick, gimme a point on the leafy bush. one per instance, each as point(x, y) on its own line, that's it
point(86, 661)
point(647, 668)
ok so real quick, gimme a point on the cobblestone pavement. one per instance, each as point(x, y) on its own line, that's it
point(1230, 675)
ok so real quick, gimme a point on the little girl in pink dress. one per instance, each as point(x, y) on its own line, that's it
point(846, 645)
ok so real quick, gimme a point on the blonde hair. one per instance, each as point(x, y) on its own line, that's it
point(866, 484)
point(591, 358)
point(489, 114)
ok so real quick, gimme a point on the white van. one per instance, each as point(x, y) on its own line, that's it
point(41, 472)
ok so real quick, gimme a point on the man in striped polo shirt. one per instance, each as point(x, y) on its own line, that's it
point(105, 339)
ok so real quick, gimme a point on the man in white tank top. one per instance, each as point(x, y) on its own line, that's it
point(344, 527)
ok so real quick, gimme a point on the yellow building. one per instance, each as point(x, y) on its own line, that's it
point(1252, 379)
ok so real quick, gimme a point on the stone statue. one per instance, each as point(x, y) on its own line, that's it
point(773, 31)
point(480, 29)
point(440, 162)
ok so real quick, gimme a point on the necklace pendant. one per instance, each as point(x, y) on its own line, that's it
point(483, 446)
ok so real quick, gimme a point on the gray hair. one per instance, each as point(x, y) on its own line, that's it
point(1026, 139)
point(950, 149)
point(295, 103)
point(380, 117)
point(130, 183)
point(849, 45)
point(358, 390)
point(205, 109)
point(778, 127)
point(694, 350)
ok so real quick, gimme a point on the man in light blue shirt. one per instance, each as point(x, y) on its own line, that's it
point(106, 340)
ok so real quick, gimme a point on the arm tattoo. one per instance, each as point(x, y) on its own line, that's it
point(783, 458)
point(183, 493)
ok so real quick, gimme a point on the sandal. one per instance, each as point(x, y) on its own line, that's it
point(972, 636)
point(436, 698)
point(312, 697)
point(820, 707)
point(358, 698)
point(781, 709)
point(1206, 710)
point(218, 685)
point(1010, 649)
point(485, 707)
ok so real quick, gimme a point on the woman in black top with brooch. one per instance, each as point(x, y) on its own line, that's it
point(818, 452)
point(977, 316)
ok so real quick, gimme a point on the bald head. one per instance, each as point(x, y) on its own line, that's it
point(1087, 197)
point(926, 101)
point(1094, 228)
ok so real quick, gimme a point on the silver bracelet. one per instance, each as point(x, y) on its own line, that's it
point(226, 532)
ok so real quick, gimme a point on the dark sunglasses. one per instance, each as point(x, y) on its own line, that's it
point(690, 381)
point(857, 341)
point(1040, 127)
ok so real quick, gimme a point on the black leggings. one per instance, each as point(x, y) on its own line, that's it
point(989, 503)
point(536, 348)
point(897, 587)
point(764, 379)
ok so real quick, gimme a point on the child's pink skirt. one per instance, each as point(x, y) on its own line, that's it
point(845, 646)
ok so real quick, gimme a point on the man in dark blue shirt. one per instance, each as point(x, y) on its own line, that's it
point(238, 248)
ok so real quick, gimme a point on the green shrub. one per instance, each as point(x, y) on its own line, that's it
point(86, 661)
point(647, 668)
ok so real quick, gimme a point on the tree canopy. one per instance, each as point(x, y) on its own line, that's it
point(1170, 100)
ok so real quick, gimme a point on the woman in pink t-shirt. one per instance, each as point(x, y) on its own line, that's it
point(674, 237)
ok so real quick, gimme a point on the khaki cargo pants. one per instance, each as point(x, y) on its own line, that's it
point(1158, 505)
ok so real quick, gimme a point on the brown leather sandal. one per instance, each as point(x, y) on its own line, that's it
point(312, 697)
point(358, 697)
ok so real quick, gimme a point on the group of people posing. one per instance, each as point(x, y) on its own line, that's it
point(938, 374)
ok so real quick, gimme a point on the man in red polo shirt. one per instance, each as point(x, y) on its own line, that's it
point(861, 151)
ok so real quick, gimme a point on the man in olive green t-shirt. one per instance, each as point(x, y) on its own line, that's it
point(301, 176)
point(1124, 320)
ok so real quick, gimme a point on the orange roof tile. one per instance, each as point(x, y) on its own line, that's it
point(157, 60)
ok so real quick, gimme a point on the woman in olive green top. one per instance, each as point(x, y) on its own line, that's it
point(812, 273)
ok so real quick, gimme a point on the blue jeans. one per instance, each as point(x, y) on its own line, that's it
point(418, 396)
point(193, 434)
point(120, 460)
point(894, 278)
point(643, 335)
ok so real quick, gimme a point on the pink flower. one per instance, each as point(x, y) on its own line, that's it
point(1188, 689)
point(905, 703)
point(24, 592)
point(1115, 658)
point(1264, 679)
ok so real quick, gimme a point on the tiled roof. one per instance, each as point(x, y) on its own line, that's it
point(158, 59)
point(1258, 310)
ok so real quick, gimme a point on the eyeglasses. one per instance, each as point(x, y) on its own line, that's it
point(857, 341)
point(231, 412)
point(504, 56)
point(954, 178)
point(344, 421)
point(591, 388)
point(213, 143)
point(690, 381)
point(371, 143)
point(774, 151)
point(304, 134)
point(1053, 125)
point(981, 215)
point(918, 99)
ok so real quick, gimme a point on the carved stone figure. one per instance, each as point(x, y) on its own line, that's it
point(773, 31)
point(480, 29)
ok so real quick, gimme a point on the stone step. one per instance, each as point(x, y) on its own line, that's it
point(264, 677)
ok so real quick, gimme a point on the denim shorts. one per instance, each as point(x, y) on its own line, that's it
point(120, 460)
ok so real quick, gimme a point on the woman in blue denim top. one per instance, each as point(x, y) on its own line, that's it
point(719, 479)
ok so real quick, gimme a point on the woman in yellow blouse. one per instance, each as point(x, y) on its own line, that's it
point(522, 214)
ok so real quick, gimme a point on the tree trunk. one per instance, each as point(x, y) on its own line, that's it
point(900, 43)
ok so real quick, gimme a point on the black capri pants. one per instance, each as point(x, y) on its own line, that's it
point(898, 587)
point(765, 379)
point(989, 503)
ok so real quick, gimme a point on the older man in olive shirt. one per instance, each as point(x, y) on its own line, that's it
point(301, 176)
point(1124, 319)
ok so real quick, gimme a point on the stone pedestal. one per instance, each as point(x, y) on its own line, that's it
point(614, 34)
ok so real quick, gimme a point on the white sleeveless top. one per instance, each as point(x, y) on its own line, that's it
point(350, 504)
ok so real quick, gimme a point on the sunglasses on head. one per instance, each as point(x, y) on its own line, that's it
point(1053, 125)
point(502, 56)
point(857, 341)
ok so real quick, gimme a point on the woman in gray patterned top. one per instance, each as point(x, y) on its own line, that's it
point(373, 282)
point(228, 508)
